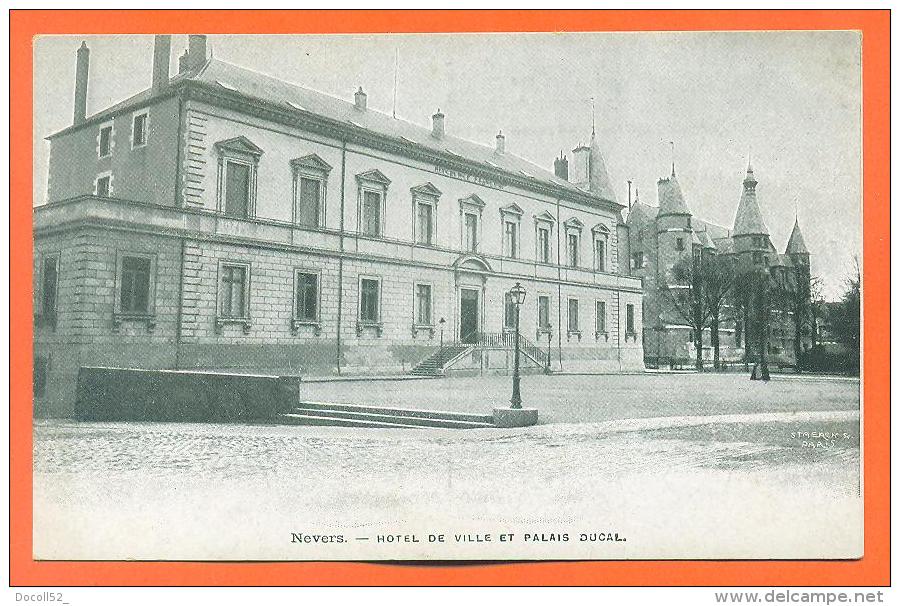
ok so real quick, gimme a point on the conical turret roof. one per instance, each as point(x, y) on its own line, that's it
point(795, 242)
point(748, 219)
point(671, 200)
point(599, 183)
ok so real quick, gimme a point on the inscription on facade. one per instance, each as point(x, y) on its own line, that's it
point(478, 179)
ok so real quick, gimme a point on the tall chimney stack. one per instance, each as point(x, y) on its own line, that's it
point(162, 50)
point(437, 125)
point(501, 143)
point(82, 63)
point(196, 51)
point(561, 167)
point(359, 99)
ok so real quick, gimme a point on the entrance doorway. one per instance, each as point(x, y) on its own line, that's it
point(468, 315)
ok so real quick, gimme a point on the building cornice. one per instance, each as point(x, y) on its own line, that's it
point(166, 221)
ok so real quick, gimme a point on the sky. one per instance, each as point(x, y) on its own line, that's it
point(792, 100)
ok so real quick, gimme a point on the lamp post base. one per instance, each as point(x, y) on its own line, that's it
point(515, 417)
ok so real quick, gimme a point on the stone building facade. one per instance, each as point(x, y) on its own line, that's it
point(223, 219)
point(661, 236)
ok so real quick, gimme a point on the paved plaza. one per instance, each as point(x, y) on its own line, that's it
point(618, 450)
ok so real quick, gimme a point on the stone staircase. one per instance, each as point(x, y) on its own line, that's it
point(355, 415)
point(434, 365)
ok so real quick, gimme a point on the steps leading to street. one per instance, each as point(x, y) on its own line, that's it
point(354, 415)
point(434, 365)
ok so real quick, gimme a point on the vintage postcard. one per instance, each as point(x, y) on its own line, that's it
point(457, 296)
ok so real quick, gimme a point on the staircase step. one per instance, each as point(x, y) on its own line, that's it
point(293, 419)
point(388, 419)
point(327, 407)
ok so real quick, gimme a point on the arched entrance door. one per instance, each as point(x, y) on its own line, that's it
point(471, 277)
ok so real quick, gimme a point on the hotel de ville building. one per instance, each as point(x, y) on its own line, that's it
point(224, 219)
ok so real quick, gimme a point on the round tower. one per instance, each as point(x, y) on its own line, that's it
point(750, 234)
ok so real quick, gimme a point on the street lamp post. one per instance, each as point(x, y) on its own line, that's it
point(517, 293)
point(441, 322)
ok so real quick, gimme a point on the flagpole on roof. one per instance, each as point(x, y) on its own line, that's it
point(396, 71)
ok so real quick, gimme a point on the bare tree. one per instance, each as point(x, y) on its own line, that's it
point(717, 279)
point(685, 293)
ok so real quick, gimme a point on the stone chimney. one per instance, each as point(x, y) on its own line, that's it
point(437, 125)
point(82, 63)
point(501, 143)
point(561, 167)
point(359, 100)
point(581, 165)
point(196, 51)
point(183, 62)
point(162, 50)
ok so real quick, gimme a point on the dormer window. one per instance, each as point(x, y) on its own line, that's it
point(310, 185)
point(679, 244)
point(373, 187)
point(238, 160)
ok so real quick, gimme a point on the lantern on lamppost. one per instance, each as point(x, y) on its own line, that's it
point(517, 295)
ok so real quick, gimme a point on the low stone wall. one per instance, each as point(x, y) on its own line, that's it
point(127, 394)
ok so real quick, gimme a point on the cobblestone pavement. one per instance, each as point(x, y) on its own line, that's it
point(779, 466)
point(592, 398)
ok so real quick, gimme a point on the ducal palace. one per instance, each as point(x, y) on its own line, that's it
point(224, 219)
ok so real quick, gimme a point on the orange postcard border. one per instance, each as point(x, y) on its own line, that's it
point(872, 570)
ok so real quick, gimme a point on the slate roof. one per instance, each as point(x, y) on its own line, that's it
point(748, 219)
point(671, 200)
point(599, 179)
point(795, 242)
point(256, 86)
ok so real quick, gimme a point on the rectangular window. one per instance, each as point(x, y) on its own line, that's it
point(237, 189)
point(139, 130)
point(544, 312)
point(134, 294)
point(600, 252)
point(424, 225)
point(307, 297)
point(543, 245)
point(369, 303)
point(601, 317)
point(423, 304)
point(509, 312)
point(510, 239)
point(679, 244)
point(637, 260)
point(573, 315)
point(233, 298)
point(573, 250)
point(371, 213)
point(310, 201)
point(629, 318)
point(49, 286)
point(105, 141)
point(103, 186)
point(471, 232)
